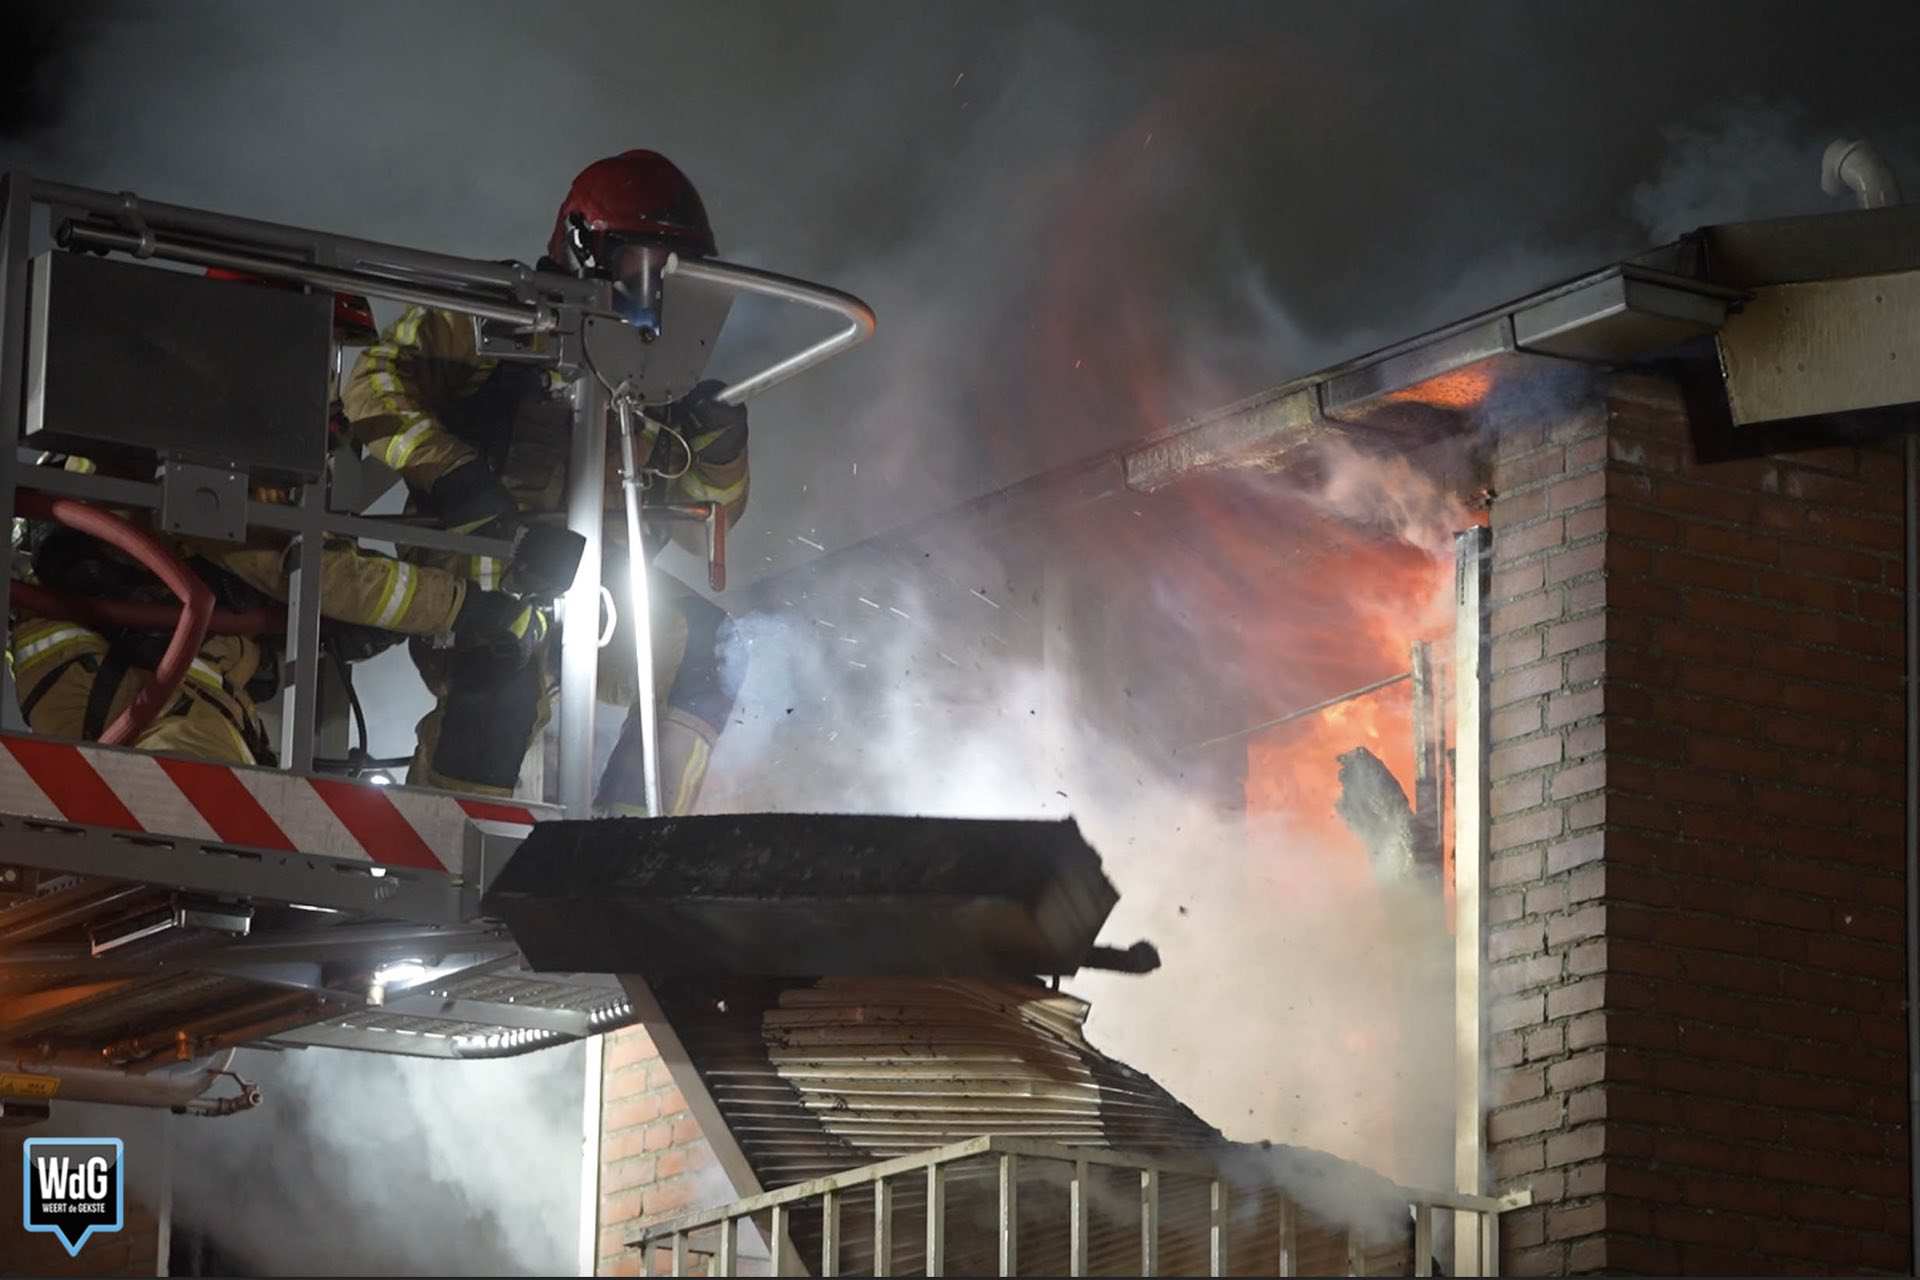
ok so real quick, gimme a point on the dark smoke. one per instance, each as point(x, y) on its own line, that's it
point(1078, 222)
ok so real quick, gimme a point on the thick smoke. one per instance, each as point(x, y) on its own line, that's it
point(360, 1164)
point(1077, 224)
point(1298, 1002)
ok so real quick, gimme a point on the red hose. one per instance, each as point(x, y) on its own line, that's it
point(196, 603)
point(98, 611)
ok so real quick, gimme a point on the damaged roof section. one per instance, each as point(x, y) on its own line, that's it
point(817, 1078)
point(782, 894)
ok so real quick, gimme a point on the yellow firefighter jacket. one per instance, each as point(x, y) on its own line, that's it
point(412, 403)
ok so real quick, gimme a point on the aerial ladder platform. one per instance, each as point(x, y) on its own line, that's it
point(158, 913)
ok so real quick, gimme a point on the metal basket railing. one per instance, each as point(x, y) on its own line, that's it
point(713, 1235)
point(576, 330)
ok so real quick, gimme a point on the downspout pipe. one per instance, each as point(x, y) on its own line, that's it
point(1912, 553)
point(1853, 165)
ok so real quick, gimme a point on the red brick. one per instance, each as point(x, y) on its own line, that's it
point(669, 1197)
point(1735, 544)
point(1519, 757)
point(620, 1174)
point(678, 1160)
point(1579, 633)
point(1525, 974)
point(1515, 794)
point(1516, 472)
point(629, 1047)
point(1577, 491)
point(619, 1146)
point(1541, 1043)
point(1684, 498)
point(1513, 721)
point(1527, 611)
point(1527, 828)
point(623, 1086)
point(1516, 580)
point(1578, 997)
point(1506, 1050)
point(1585, 1143)
point(1633, 520)
point(1517, 508)
point(1586, 522)
point(1587, 922)
point(1541, 1260)
point(629, 1112)
point(1523, 1085)
point(1523, 1121)
point(1588, 958)
point(1517, 649)
point(621, 1206)
point(1831, 562)
point(1505, 907)
point(1545, 899)
point(685, 1130)
point(1516, 1011)
point(1565, 708)
point(1689, 1226)
point(1732, 756)
point(1517, 544)
point(1685, 570)
point(1576, 851)
point(1524, 938)
point(1585, 740)
point(1525, 682)
point(1513, 1159)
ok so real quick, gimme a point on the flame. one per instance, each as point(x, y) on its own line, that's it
point(1293, 771)
point(1464, 388)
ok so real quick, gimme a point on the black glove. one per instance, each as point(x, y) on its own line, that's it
point(468, 494)
point(496, 634)
point(546, 559)
point(716, 432)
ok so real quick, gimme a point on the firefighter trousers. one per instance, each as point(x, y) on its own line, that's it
point(476, 737)
point(57, 668)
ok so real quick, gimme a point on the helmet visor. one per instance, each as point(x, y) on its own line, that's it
point(636, 269)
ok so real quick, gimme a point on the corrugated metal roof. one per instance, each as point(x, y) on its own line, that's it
point(813, 1078)
point(819, 1077)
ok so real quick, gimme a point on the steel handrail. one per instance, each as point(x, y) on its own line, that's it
point(767, 284)
point(678, 1228)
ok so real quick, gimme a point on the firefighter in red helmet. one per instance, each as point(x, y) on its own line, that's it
point(482, 446)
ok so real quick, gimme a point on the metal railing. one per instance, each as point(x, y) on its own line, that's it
point(879, 1185)
point(578, 330)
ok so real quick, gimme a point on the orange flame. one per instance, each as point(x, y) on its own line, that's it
point(1462, 388)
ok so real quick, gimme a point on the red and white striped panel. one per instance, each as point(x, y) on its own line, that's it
point(254, 808)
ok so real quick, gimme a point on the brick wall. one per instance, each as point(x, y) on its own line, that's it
point(653, 1159)
point(1696, 884)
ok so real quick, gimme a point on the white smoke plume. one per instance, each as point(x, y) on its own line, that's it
point(1299, 1001)
point(453, 1168)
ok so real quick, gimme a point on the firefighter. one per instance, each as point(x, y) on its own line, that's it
point(74, 680)
point(482, 446)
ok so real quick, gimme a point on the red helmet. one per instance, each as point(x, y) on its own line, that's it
point(634, 197)
point(352, 314)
